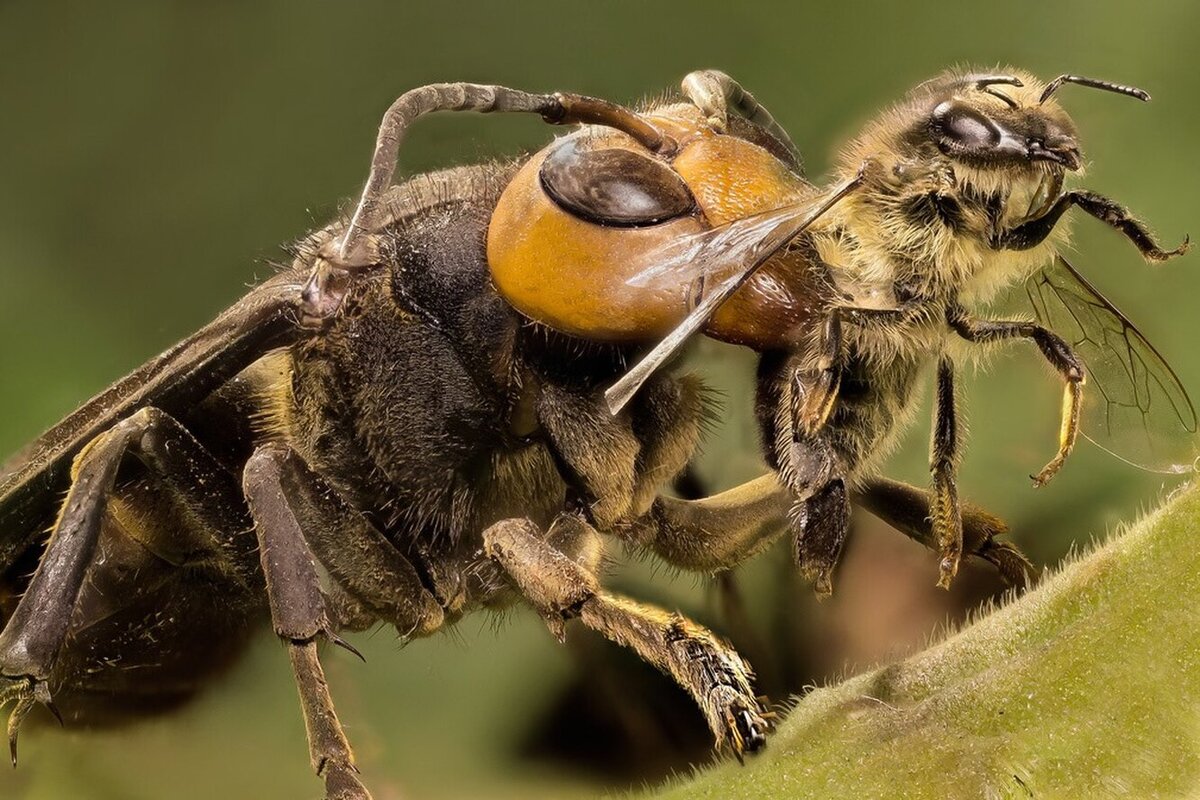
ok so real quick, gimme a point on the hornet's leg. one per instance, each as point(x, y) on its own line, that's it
point(354, 251)
point(1060, 355)
point(286, 502)
point(559, 588)
point(714, 533)
point(716, 94)
point(945, 514)
point(910, 509)
point(34, 637)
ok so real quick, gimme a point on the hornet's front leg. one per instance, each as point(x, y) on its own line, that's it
point(1034, 232)
point(1060, 355)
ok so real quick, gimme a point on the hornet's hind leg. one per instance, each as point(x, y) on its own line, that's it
point(908, 509)
point(560, 589)
point(714, 534)
point(37, 633)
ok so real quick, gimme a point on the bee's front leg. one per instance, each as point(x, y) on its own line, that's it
point(945, 512)
point(815, 385)
point(1033, 232)
point(809, 467)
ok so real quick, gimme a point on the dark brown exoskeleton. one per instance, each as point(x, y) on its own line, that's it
point(433, 404)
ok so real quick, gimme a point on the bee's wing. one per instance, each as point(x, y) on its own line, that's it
point(718, 252)
point(1134, 404)
point(32, 482)
point(716, 263)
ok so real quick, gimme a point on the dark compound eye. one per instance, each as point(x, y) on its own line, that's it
point(612, 186)
point(960, 127)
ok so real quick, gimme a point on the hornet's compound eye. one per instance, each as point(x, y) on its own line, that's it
point(615, 187)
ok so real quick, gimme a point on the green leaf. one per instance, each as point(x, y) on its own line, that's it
point(1088, 686)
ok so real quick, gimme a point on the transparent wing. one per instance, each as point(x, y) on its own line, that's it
point(716, 253)
point(731, 254)
point(1134, 404)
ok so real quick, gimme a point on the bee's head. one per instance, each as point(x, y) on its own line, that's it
point(1006, 123)
point(975, 122)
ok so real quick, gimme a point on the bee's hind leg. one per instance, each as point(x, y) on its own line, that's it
point(560, 589)
point(35, 635)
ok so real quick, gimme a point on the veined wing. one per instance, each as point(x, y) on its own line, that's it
point(718, 252)
point(734, 251)
point(1134, 406)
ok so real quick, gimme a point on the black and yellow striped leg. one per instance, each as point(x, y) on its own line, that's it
point(945, 513)
point(1060, 355)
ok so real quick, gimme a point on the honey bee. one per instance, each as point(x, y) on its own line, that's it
point(434, 402)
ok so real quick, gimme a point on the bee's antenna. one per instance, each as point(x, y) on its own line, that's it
point(985, 83)
point(1108, 86)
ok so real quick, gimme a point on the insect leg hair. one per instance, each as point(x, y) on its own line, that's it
point(37, 631)
point(815, 389)
point(1034, 232)
point(945, 513)
point(1060, 355)
point(909, 509)
point(359, 559)
point(715, 93)
point(559, 588)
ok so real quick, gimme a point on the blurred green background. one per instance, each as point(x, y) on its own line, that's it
point(154, 155)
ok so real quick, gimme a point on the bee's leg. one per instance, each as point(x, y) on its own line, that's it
point(1060, 355)
point(945, 514)
point(910, 509)
point(35, 635)
point(715, 94)
point(815, 386)
point(820, 525)
point(1034, 232)
point(816, 381)
point(810, 468)
point(291, 507)
point(560, 589)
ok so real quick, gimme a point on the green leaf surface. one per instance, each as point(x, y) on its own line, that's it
point(1086, 687)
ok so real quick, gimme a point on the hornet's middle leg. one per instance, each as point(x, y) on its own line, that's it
point(559, 588)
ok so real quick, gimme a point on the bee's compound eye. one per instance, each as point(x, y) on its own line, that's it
point(958, 126)
point(612, 186)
